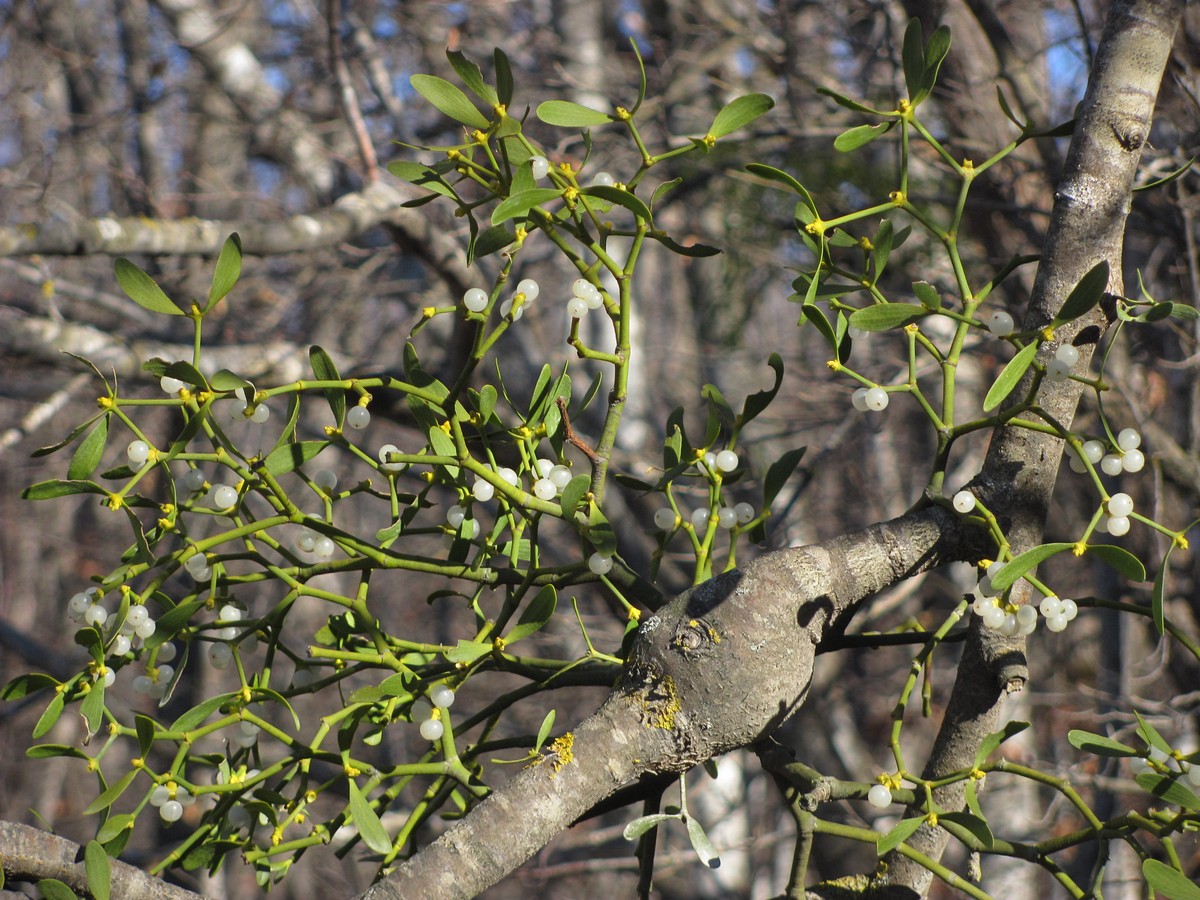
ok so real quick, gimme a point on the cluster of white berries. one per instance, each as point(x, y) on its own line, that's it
point(874, 399)
point(220, 652)
point(549, 479)
point(442, 697)
point(319, 545)
point(476, 299)
point(584, 296)
point(456, 518)
point(1115, 520)
point(1010, 620)
point(246, 735)
point(727, 516)
point(1124, 457)
point(1065, 357)
point(170, 799)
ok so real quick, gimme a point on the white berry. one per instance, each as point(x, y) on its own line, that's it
point(138, 452)
point(876, 399)
point(483, 491)
point(325, 479)
point(1129, 439)
point(1120, 505)
point(1117, 525)
point(600, 564)
point(507, 474)
point(475, 300)
point(859, 399)
point(324, 547)
point(603, 179)
point(727, 460)
point(1093, 450)
point(95, 615)
point(577, 308)
point(700, 518)
point(993, 617)
point(166, 652)
point(223, 496)
point(358, 417)
point(879, 796)
point(1050, 606)
point(385, 454)
point(220, 655)
point(432, 729)
point(455, 516)
point(727, 517)
point(544, 489)
point(529, 288)
point(1000, 323)
point(194, 480)
point(1067, 354)
point(1112, 465)
point(442, 696)
point(171, 811)
point(1133, 461)
point(170, 385)
point(1070, 609)
point(964, 501)
point(560, 475)
point(745, 512)
point(664, 519)
point(1058, 371)
point(260, 414)
point(1056, 623)
point(539, 167)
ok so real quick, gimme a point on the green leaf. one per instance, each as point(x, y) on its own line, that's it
point(738, 113)
point(468, 651)
point(449, 100)
point(886, 316)
point(49, 716)
point(201, 711)
point(53, 889)
point(663, 189)
point(366, 821)
point(89, 452)
point(600, 532)
point(813, 314)
point(1099, 745)
point(1023, 563)
point(472, 77)
point(145, 733)
point(519, 205)
point(1121, 560)
point(935, 54)
point(571, 115)
point(927, 294)
point(1158, 595)
point(324, 369)
point(49, 751)
point(109, 797)
point(903, 830)
point(573, 493)
point(760, 400)
point(860, 136)
point(99, 871)
point(913, 57)
point(1007, 110)
point(143, 291)
point(24, 685)
point(976, 825)
point(1086, 294)
point(701, 844)
point(504, 78)
point(1166, 179)
point(621, 197)
point(544, 731)
point(93, 707)
point(642, 824)
point(50, 490)
point(1169, 789)
point(535, 615)
point(773, 174)
point(1150, 735)
point(227, 271)
point(75, 433)
point(1010, 376)
point(114, 826)
point(883, 241)
point(692, 251)
point(778, 474)
point(490, 240)
point(428, 177)
point(1171, 883)
point(990, 743)
point(290, 457)
point(847, 103)
point(718, 407)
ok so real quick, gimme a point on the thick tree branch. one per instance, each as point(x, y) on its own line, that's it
point(27, 854)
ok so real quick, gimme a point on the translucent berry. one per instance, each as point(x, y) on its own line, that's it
point(1120, 505)
point(582, 288)
point(507, 311)
point(230, 613)
point(507, 474)
point(745, 512)
point(1067, 354)
point(560, 475)
point(603, 179)
point(544, 489)
point(879, 796)
point(876, 399)
point(1009, 626)
point(1026, 615)
point(79, 604)
point(1112, 465)
point(855, 333)
point(160, 795)
point(432, 729)
point(600, 564)
point(306, 540)
point(220, 655)
point(664, 519)
point(166, 652)
point(1050, 606)
point(1093, 450)
point(171, 385)
point(859, 399)
point(121, 645)
point(577, 308)
point(358, 417)
point(964, 501)
point(543, 466)
point(1057, 371)
point(483, 491)
point(529, 288)
point(1070, 609)
point(1117, 525)
point(539, 167)
point(1133, 461)
point(1129, 439)
point(1056, 623)
point(324, 547)
point(1000, 323)
point(727, 517)
point(171, 811)
point(194, 480)
point(1075, 461)
point(95, 615)
point(455, 516)
point(138, 452)
point(385, 454)
point(442, 696)
point(137, 615)
point(223, 496)
point(700, 518)
point(325, 479)
point(261, 413)
point(727, 460)
point(993, 617)
point(475, 299)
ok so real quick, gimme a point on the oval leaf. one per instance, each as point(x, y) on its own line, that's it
point(1085, 295)
point(1007, 380)
point(1169, 789)
point(105, 800)
point(99, 871)
point(1023, 563)
point(536, 614)
point(1099, 745)
point(53, 889)
point(518, 205)
point(571, 115)
point(143, 291)
point(290, 457)
point(886, 316)
point(739, 113)
point(1121, 560)
point(701, 844)
point(227, 271)
point(621, 197)
point(642, 824)
point(87, 455)
point(369, 827)
point(448, 99)
point(1172, 884)
point(903, 830)
point(859, 136)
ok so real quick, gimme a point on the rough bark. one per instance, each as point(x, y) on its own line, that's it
point(28, 854)
point(719, 667)
point(1087, 226)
